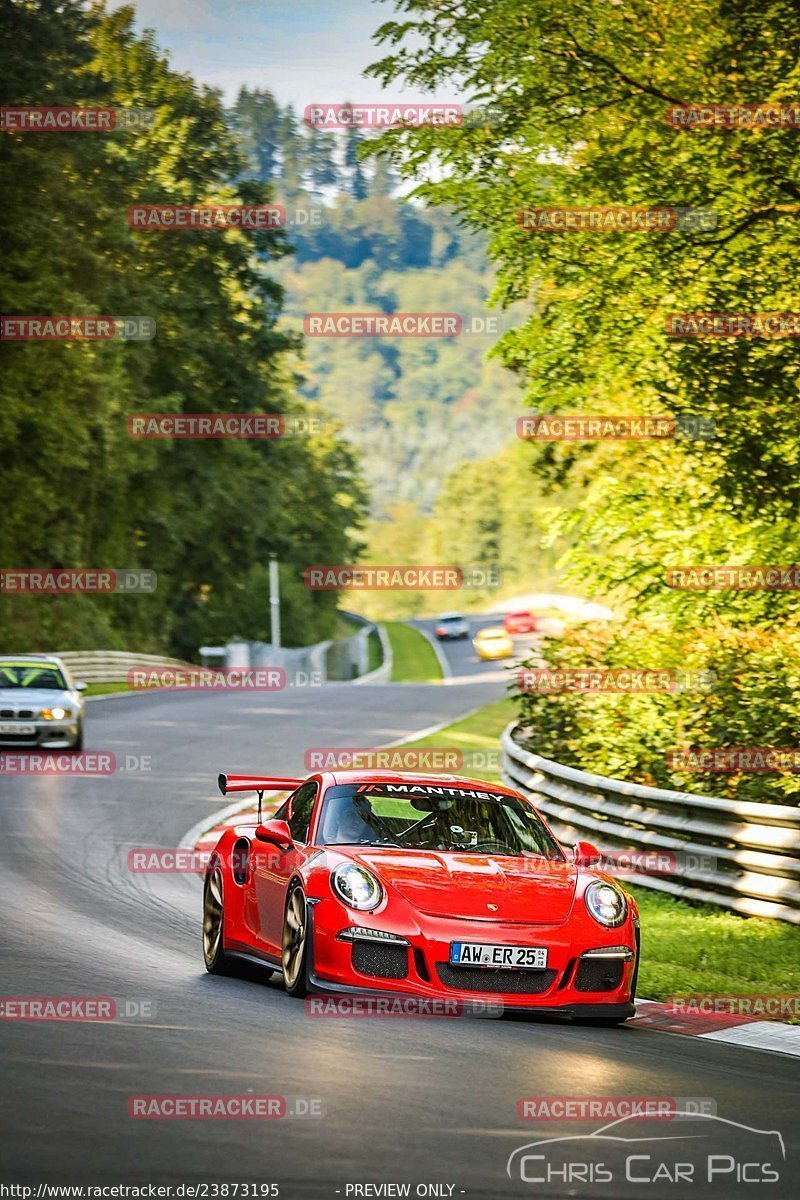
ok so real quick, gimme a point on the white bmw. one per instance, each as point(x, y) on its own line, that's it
point(40, 704)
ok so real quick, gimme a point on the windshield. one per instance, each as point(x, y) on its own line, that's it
point(31, 675)
point(428, 816)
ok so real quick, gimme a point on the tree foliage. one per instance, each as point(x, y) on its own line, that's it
point(75, 489)
point(578, 95)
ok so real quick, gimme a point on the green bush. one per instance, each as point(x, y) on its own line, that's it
point(751, 699)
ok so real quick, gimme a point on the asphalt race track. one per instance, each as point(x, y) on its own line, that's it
point(422, 1101)
point(462, 660)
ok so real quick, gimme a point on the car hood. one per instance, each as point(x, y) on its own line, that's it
point(35, 697)
point(476, 886)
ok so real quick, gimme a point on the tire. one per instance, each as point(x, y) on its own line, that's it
point(294, 943)
point(214, 957)
point(78, 743)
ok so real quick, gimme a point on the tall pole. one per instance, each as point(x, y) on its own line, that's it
point(274, 602)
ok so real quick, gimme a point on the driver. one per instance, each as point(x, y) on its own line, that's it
point(350, 825)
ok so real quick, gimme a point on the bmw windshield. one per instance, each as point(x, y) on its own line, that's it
point(31, 675)
point(426, 816)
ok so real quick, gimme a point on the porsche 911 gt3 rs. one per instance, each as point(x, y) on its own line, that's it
point(438, 886)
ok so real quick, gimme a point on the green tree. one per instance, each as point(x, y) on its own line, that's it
point(256, 118)
point(579, 96)
point(319, 153)
point(77, 490)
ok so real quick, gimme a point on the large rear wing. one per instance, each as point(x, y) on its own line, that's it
point(256, 783)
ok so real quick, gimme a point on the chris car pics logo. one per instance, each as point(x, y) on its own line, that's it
point(698, 1147)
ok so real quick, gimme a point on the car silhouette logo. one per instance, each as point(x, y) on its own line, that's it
point(611, 1133)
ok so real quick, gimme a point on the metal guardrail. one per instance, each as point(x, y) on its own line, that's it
point(112, 666)
point(383, 673)
point(742, 856)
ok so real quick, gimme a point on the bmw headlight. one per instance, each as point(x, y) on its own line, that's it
point(606, 903)
point(357, 886)
point(55, 714)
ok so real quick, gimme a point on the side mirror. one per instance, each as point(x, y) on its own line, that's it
point(80, 686)
point(584, 854)
point(276, 832)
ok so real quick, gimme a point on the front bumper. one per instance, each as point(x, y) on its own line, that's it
point(51, 735)
point(566, 987)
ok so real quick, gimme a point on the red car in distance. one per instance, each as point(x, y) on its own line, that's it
point(431, 885)
point(520, 622)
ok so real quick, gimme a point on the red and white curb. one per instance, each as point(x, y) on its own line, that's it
point(720, 1027)
point(774, 1036)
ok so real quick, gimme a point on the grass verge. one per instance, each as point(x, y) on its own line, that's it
point(685, 947)
point(688, 948)
point(414, 659)
point(105, 689)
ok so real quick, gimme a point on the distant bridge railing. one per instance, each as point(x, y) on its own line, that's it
point(740, 855)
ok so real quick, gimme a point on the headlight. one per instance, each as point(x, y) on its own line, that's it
point(606, 903)
point(55, 714)
point(356, 886)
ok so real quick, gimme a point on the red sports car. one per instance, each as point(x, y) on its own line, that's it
point(520, 622)
point(437, 886)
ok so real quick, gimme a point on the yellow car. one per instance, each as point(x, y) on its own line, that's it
point(493, 643)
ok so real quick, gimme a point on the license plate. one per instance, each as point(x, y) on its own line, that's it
point(25, 730)
point(486, 954)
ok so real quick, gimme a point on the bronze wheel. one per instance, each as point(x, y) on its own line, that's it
point(213, 954)
point(294, 943)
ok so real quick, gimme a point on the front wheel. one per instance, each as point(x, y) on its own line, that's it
point(294, 943)
point(78, 743)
